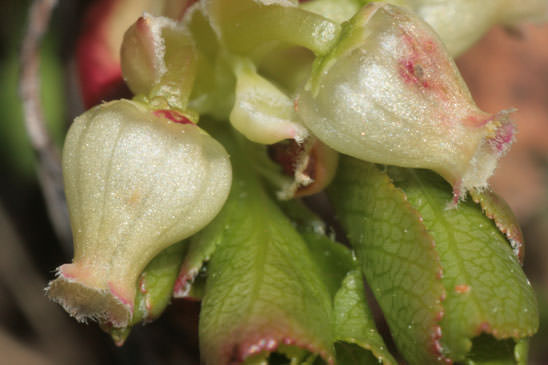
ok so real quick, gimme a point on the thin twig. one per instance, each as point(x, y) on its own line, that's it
point(49, 164)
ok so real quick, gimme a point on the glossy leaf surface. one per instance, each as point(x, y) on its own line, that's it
point(487, 292)
point(497, 209)
point(263, 289)
point(357, 340)
point(354, 326)
point(397, 256)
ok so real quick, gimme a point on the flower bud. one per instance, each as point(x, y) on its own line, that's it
point(136, 182)
point(98, 47)
point(389, 93)
point(158, 60)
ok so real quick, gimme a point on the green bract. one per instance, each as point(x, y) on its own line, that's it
point(474, 256)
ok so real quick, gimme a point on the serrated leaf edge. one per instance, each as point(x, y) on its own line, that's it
point(436, 331)
point(513, 234)
point(242, 351)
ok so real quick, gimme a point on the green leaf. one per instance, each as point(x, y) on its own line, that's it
point(396, 254)
point(356, 336)
point(263, 289)
point(247, 25)
point(154, 290)
point(354, 326)
point(333, 259)
point(201, 248)
point(487, 292)
point(497, 209)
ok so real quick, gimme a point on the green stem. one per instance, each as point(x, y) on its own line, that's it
point(247, 25)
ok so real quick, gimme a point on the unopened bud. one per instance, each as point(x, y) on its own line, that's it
point(158, 60)
point(98, 47)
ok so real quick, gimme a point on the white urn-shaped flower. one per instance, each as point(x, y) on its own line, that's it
point(389, 93)
point(136, 181)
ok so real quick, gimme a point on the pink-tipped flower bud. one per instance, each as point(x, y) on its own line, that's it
point(389, 93)
point(136, 182)
point(159, 60)
point(98, 46)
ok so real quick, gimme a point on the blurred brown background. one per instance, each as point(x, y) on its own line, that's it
point(508, 69)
